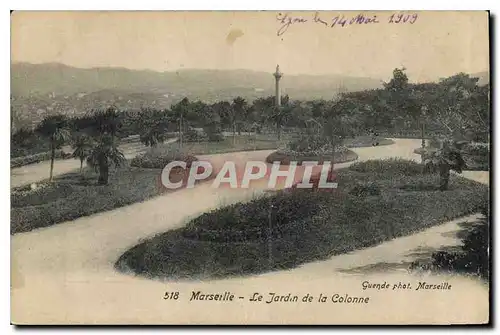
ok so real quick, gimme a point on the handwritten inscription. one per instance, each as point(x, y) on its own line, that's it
point(285, 20)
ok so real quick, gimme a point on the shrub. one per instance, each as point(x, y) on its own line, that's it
point(306, 144)
point(42, 193)
point(363, 190)
point(472, 257)
point(434, 143)
point(477, 149)
point(249, 221)
point(394, 166)
point(36, 158)
point(213, 132)
point(193, 135)
point(158, 160)
point(475, 155)
point(311, 147)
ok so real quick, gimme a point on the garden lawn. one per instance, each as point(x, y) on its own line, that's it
point(306, 225)
point(241, 143)
point(72, 195)
point(285, 159)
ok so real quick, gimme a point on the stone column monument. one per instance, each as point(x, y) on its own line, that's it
point(277, 76)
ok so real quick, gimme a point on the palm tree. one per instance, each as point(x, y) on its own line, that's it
point(54, 128)
point(82, 146)
point(107, 122)
point(103, 156)
point(447, 157)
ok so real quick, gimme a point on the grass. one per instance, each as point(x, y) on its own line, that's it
point(285, 159)
point(72, 195)
point(306, 225)
point(392, 165)
point(158, 159)
point(241, 143)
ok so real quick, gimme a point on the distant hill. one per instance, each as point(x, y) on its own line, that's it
point(58, 79)
point(41, 89)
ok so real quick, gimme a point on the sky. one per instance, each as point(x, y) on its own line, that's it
point(430, 44)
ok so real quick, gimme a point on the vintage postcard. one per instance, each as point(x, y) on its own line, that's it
point(250, 168)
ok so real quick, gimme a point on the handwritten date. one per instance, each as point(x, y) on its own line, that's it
point(285, 20)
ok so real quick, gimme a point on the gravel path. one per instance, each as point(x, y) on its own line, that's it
point(36, 172)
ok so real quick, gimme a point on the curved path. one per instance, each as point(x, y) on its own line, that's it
point(65, 274)
point(40, 171)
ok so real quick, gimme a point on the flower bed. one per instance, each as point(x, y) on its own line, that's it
point(305, 226)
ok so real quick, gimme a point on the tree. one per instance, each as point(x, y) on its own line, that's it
point(211, 123)
point(103, 155)
point(262, 108)
point(279, 115)
point(239, 112)
point(107, 122)
point(54, 128)
point(152, 126)
point(399, 80)
point(447, 157)
point(131, 123)
point(179, 113)
point(462, 104)
point(82, 146)
point(336, 130)
point(337, 126)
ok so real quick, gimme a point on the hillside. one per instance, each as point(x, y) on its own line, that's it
point(43, 79)
point(41, 89)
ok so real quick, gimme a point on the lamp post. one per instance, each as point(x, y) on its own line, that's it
point(422, 123)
